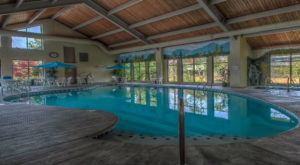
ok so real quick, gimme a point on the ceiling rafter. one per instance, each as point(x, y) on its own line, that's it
point(263, 14)
point(253, 31)
point(35, 5)
point(107, 33)
point(214, 13)
point(110, 12)
point(36, 15)
point(159, 18)
point(61, 12)
point(124, 43)
point(8, 17)
point(124, 6)
point(115, 20)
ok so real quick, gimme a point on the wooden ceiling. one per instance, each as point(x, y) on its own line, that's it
point(151, 18)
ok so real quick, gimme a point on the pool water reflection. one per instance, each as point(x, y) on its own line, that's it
point(154, 111)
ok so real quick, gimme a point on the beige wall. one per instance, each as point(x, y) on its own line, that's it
point(97, 58)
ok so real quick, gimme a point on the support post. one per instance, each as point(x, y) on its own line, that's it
point(181, 132)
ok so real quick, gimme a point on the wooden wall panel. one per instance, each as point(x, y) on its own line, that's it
point(235, 8)
point(152, 8)
point(98, 27)
point(78, 14)
point(193, 18)
point(287, 38)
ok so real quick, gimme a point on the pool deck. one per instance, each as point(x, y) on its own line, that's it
point(115, 149)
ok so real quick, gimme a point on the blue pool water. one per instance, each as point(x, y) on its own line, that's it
point(154, 111)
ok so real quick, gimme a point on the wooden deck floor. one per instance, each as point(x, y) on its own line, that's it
point(28, 128)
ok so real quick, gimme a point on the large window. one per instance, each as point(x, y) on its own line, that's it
point(127, 74)
point(27, 42)
point(23, 70)
point(195, 70)
point(280, 69)
point(284, 67)
point(139, 71)
point(188, 69)
point(296, 68)
point(152, 70)
point(220, 69)
point(172, 70)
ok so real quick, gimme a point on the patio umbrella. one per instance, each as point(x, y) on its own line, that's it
point(54, 65)
point(117, 67)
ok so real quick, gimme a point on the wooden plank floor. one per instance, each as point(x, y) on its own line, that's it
point(27, 128)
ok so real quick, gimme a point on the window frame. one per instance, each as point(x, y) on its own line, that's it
point(29, 38)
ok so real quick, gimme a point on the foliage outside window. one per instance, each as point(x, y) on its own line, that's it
point(172, 70)
point(139, 71)
point(195, 70)
point(221, 105)
point(127, 72)
point(23, 70)
point(27, 42)
point(140, 96)
point(152, 70)
point(220, 69)
point(284, 67)
point(195, 102)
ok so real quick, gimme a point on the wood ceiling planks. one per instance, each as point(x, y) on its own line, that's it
point(117, 38)
point(286, 38)
point(267, 20)
point(50, 12)
point(98, 27)
point(110, 4)
point(76, 15)
point(236, 8)
point(197, 17)
point(152, 8)
point(20, 17)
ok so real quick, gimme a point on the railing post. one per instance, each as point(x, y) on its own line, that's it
point(288, 84)
point(181, 132)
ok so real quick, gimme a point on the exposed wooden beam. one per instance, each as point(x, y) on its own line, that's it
point(35, 5)
point(266, 29)
point(10, 33)
point(267, 13)
point(7, 17)
point(124, 6)
point(213, 2)
point(54, 1)
point(36, 15)
point(61, 12)
point(165, 16)
point(6, 21)
point(107, 33)
point(115, 20)
point(214, 13)
point(124, 43)
point(19, 3)
point(87, 22)
point(181, 31)
point(115, 10)
point(161, 17)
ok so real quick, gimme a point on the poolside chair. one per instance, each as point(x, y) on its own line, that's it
point(6, 85)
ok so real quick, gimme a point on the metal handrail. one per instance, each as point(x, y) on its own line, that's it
point(181, 132)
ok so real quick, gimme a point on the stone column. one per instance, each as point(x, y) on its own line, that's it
point(210, 71)
point(159, 64)
point(237, 60)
